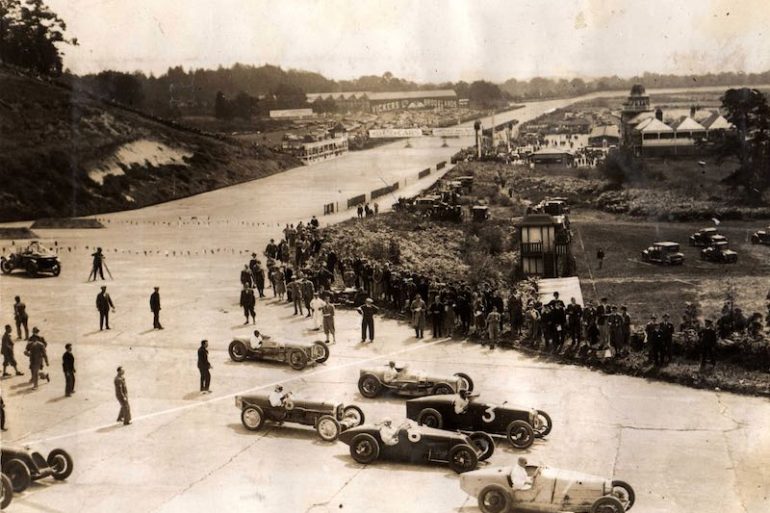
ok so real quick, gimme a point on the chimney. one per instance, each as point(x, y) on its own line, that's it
point(692, 111)
point(659, 114)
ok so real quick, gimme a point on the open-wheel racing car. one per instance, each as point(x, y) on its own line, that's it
point(374, 380)
point(702, 237)
point(719, 252)
point(418, 444)
point(666, 253)
point(296, 354)
point(329, 419)
point(761, 237)
point(552, 490)
point(22, 466)
point(34, 259)
point(519, 425)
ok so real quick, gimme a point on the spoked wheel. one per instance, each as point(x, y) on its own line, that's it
point(467, 381)
point(355, 413)
point(495, 499)
point(324, 349)
point(328, 428)
point(483, 443)
point(298, 359)
point(369, 386)
point(520, 434)
point(61, 463)
point(462, 458)
point(607, 504)
point(443, 389)
point(543, 423)
point(624, 493)
point(252, 418)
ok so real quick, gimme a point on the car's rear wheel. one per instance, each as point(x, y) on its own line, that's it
point(297, 359)
point(483, 443)
point(495, 499)
point(520, 434)
point(355, 413)
point(61, 463)
point(545, 424)
point(19, 475)
point(462, 458)
point(328, 428)
point(364, 448)
point(607, 504)
point(56, 269)
point(6, 491)
point(32, 268)
point(430, 418)
point(252, 418)
point(237, 350)
point(624, 493)
point(442, 389)
point(369, 386)
point(6, 266)
point(324, 351)
point(467, 381)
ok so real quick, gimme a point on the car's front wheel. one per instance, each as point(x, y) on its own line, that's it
point(624, 493)
point(495, 499)
point(369, 386)
point(56, 269)
point(6, 266)
point(328, 428)
point(252, 418)
point(483, 443)
point(237, 350)
point(6, 491)
point(364, 448)
point(607, 504)
point(520, 434)
point(324, 349)
point(297, 359)
point(355, 413)
point(61, 463)
point(544, 424)
point(462, 458)
point(19, 475)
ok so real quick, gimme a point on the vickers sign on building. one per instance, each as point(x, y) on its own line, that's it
point(392, 133)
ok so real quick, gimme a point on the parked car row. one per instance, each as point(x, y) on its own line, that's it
point(445, 423)
point(716, 248)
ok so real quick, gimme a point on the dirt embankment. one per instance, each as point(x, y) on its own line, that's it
point(65, 154)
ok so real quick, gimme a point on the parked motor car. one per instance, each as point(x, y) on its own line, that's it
point(413, 444)
point(328, 418)
point(34, 259)
point(519, 425)
point(720, 253)
point(372, 382)
point(23, 466)
point(761, 237)
point(666, 253)
point(551, 490)
point(297, 354)
point(6, 491)
point(702, 237)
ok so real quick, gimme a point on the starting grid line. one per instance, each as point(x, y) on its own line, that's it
point(233, 394)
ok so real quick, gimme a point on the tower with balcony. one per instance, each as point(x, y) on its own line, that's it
point(545, 244)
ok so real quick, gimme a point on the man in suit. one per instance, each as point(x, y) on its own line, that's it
point(36, 350)
point(155, 309)
point(121, 393)
point(104, 305)
point(68, 366)
point(8, 358)
point(308, 289)
point(21, 318)
point(259, 276)
point(204, 366)
point(98, 263)
point(248, 301)
point(667, 340)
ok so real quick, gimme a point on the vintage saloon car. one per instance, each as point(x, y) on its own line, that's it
point(552, 490)
point(416, 444)
point(329, 419)
point(34, 259)
point(519, 425)
point(719, 252)
point(761, 237)
point(372, 382)
point(702, 237)
point(666, 253)
point(296, 354)
point(6, 491)
point(22, 466)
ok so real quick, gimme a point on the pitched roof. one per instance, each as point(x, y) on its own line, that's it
point(605, 131)
point(716, 121)
point(654, 125)
point(688, 124)
point(641, 117)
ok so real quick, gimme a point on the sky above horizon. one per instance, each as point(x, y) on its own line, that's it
point(421, 40)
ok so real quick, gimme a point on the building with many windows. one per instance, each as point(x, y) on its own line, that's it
point(364, 101)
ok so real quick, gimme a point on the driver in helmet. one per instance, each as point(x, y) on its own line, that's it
point(520, 480)
point(278, 397)
point(256, 340)
point(391, 373)
point(461, 401)
point(388, 432)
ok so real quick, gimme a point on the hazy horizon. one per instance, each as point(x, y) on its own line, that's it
point(421, 40)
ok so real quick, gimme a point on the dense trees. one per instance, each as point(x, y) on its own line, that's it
point(29, 35)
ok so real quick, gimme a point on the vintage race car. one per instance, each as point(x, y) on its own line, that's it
point(417, 444)
point(372, 382)
point(6, 491)
point(552, 490)
point(720, 253)
point(519, 425)
point(761, 237)
point(666, 253)
point(329, 419)
point(22, 466)
point(296, 354)
point(34, 259)
point(702, 237)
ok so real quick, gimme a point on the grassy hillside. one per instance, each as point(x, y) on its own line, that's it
point(51, 137)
